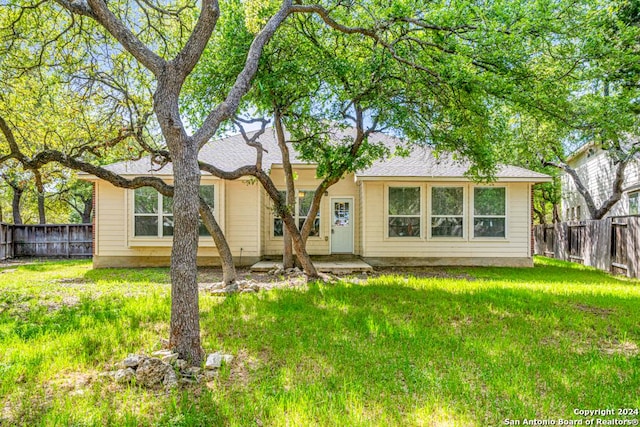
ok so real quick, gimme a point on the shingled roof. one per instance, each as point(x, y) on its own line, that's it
point(232, 152)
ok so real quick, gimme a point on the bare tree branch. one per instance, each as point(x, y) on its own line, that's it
point(227, 109)
point(98, 10)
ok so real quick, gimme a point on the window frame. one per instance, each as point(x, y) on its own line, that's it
point(296, 214)
point(633, 194)
point(387, 216)
point(160, 238)
point(464, 216)
point(473, 216)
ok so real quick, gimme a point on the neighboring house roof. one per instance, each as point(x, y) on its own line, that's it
point(232, 152)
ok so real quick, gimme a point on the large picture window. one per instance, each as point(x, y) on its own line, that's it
point(404, 212)
point(153, 213)
point(447, 212)
point(301, 212)
point(489, 212)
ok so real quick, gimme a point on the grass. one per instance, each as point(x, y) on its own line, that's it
point(476, 348)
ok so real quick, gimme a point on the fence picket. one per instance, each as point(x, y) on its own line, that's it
point(46, 240)
point(611, 244)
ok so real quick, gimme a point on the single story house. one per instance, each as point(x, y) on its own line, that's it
point(403, 210)
point(597, 172)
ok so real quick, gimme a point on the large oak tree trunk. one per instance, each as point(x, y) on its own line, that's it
point(287, 252)
point(185, 313)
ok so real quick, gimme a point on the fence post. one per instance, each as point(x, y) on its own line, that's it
point(633, 246)
point(68, 242)
point(2, 239)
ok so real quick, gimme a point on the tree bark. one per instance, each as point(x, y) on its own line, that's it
point(42, 217)
point(229, 275)
point(556, 213)
point(541, 216)
point(184, 329)
point(185, 312)
point(88, 209)
point(287, 252)
point(289, 222)
point(15, 204)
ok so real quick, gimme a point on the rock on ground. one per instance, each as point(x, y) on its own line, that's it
point(151, 372)
point(123, 376)
point(170, 378)
point(132, 361)
point(214, 361)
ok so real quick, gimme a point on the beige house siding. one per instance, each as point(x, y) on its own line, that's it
point(237, 211)
point(596, 171)
point(244, 212)
point(306, 180)
point(379, 245)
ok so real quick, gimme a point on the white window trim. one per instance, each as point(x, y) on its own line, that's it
point(167, 241)
point(472, 216)
point(630, 194)
point(386, 211)
point(465, 207)
point(296, 216)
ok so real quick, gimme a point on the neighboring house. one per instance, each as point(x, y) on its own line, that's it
point(597, 172)
point(412, 210)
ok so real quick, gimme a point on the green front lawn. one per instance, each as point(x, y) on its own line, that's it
point(475, 348)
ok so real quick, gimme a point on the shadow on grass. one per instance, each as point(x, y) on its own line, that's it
point(550, 271)
point(129, 275)
point(390, 354)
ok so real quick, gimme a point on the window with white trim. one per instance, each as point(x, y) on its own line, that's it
point(489, 211)
point(153, 213)
point(305, 200)
point(300, 214)
point(278, 225)
point(634, 205)
point(404, 212)
point(447, 211)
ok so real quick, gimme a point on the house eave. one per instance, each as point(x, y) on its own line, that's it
point(450, 178)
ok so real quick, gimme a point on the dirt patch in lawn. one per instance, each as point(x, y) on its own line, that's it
point(624, 348)
point(598, 311)
point(211, 280)
point(422, 272)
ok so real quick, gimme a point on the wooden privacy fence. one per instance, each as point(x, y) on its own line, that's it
point(46, 240)
point(611, 244)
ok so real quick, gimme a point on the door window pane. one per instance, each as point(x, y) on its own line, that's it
point(341, 214)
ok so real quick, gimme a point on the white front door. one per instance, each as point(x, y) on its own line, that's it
point(342, 225)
